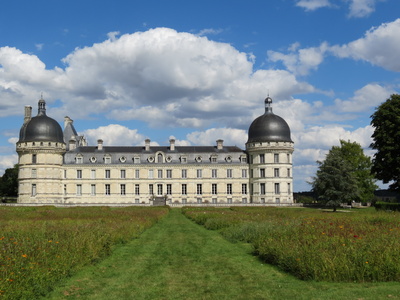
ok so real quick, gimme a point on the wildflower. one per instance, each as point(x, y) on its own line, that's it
point(356, 236)
point(50, 241)
point(366, 262)
point(24, 255)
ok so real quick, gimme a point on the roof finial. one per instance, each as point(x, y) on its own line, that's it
point(268, 104)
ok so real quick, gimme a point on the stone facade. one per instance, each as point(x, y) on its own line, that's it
point(54, 171)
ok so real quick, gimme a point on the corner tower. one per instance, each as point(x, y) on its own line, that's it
point(270, 149)
point(40, 151)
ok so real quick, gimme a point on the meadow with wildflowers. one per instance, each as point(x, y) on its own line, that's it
point(40, 246)
point(358, 245)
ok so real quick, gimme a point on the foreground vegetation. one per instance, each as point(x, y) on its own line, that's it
point(39, 246)
point(357, 246)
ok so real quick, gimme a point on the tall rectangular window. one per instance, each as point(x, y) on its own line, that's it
point(276, 172)
point(184, 173)
point(136, 160)
point(184, 189)
point(169, 189)
point(79, 189)
point(214, 189)
point(262, 188)
point(108, 172)
point(288, 157)
point(137, 191)
point(93, 174)
point(107, 160)
point(229, 189)
point(123, 174)
point(169, 173)
point(289, 188)
point(199, 189)
point(262, 158)
point(151, 174)
point(79, 160)
point(108, 189)
point(288, 172)
point(277, 188)
point(34, 190)
point(123, 189)
point(244, 188)
point(151, 190)
point(214, 173)
point(159, 189)
point(199, 173)
point(160, 173)
point(276, 157)
point(93, 189)
point(244, 173)
point(137, 173)
point(229, 173)
point(262, 173)
point(34, 158)
point(79, 174)
point(34, 173)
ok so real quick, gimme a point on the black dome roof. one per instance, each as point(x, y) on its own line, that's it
point(41, 128)
point(269, 127)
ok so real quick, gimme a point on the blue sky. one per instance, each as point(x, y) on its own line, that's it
point(199, 71)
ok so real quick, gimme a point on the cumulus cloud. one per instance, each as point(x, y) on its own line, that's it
point(114, 135)
point(231, 136)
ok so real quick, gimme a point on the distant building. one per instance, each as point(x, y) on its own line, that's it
point(57, 166)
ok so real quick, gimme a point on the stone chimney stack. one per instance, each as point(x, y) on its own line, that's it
point(28, 114)
point(99, 144)
point(67, 120)
point(72, 144)
point(147, 144)
point(172, 144)
point(220, 144)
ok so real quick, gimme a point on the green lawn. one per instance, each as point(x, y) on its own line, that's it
point(177, 259)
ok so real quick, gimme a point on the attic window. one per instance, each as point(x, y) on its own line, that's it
point(93, 159)
point(122, 159)
point(79, 159)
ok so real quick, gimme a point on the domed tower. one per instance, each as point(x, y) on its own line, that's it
point(40, 151)
point(270, 149)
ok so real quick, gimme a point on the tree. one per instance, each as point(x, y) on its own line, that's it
point(9, 182)
point(344, 176)
point(386, 140)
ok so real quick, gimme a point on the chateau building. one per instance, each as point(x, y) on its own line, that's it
point(58, 166)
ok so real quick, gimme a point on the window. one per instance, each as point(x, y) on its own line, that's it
point(288, 157)
point(93, 174)
point(137, 201)
point(34, 173)
point(137, 173)
point(199, 201)
point(65, 190)
point(93, 189)
point(276, 158)
point(229, 189)
point(262, 158)
point(184, 189)
point(184, 173)
point(262, 173)
point(79, 160)
point(199, 189)
point(213, 159)
point(137, 191)
point(159, 189)
point(277, 190)
point(108, 172)
point(183, 159)
point(214, 189)
point(160, 173)
point(151, 190)
point(244, 200)
point(229, 173)
point(108, 189)
point(214, 173)
point(169, 173)
point(122, 159)
point(33, 190)
point(199, 173)
point(288, 172)
point(244, 173)
point(79, 174)
point(123, 189)
point(79, 189)
point(244, 189)
point(107, 160)
point(160, 158)
point(34, 158)
point(151, 174)
point(123, 174)
point(169, 189)
point(136, 160)
point(230, 200)
point(276, 172)
point(262, 188)
point(243, 159)
point(289, 189)
point(214, 200)
point(251, 173)
point(65, 173)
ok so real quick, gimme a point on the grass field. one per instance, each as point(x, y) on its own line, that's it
point(353, 246)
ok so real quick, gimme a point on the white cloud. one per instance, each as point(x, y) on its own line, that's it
point(114, 135)
point(39, 47)
point(310, 5)
point(231, 137)
point(361, 8)
point(7, 161)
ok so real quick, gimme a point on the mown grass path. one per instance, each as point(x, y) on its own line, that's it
point(177, 259)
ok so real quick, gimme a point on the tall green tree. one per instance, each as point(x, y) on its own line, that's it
point(386, 140)
point(344, 176)
point(9, 182)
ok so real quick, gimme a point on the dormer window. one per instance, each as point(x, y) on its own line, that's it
point(79, 159)
point(107, 159)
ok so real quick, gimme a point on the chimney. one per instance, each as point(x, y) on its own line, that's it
point(99, 144)
point(72, 144)
point(147, 144)
point(220, 144)
point(67, 120)
point(172, 144)
point(28, 114)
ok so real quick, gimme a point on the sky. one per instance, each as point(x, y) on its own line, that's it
point(199, 71)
